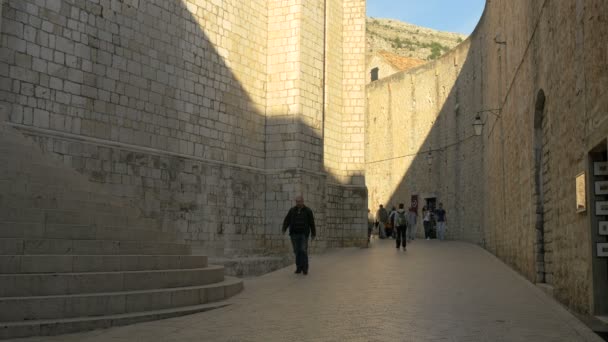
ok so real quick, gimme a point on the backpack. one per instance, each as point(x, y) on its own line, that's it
point(401, 220)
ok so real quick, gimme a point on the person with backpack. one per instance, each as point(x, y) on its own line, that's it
point(401, 226)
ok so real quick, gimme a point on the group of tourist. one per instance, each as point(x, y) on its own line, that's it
point(401, 225)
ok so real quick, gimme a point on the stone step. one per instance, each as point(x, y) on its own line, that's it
point(11, 246)
point(55, 202)
point(40, 169)
point(34, 230)
point(34, 189)
point(34, 169)
point(49, 284)
point(52, 327)
point(49, 217)
point(97, 263)
point(15, 309)
point(14, 139)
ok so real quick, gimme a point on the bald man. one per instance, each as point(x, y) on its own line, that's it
point(301, 224)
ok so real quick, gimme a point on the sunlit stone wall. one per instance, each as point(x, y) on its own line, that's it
point(210, 115)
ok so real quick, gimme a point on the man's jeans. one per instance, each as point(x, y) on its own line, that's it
point(441, 230)
point(401, 236)
point(300, 249)
point(427, 229)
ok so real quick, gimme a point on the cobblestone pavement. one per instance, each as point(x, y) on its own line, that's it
point(436, 291)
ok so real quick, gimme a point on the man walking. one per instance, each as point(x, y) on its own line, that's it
point(441, 221)
point(382, 219)
point(301, 224)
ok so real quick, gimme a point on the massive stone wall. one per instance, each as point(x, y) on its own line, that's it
point(536, 73)
point(210, 114)
point(550, 51)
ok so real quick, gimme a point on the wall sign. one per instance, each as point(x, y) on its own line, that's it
point(600, 168)
point(603, 228)
point(602, 250)
point(601, 188)
point(414, 203)
point(601, 208)
point(581, 194)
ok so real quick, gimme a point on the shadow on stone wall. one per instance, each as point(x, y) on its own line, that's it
point(191, 151)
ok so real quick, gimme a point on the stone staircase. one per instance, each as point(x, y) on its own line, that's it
point(74, 257)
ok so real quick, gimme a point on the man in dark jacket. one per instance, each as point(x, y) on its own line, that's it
point(301, 224)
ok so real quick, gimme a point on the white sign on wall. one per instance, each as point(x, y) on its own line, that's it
point(600, 168)
point(602, 249)
point(603, 228)
point(601, 208)
point(601, 188)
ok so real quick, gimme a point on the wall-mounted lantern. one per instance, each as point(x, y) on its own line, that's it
point(478, 123)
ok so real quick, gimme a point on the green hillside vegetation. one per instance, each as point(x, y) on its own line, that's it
point(409, 40)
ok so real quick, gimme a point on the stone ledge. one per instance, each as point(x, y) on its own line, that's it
point(546, 288)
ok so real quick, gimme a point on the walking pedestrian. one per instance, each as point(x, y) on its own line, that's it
point(301, 224)
point(382, 219)
point(401, 226)
point(426, 222)
point(390, 227)
point(412, 217)
point(441, 221)
point(370, 225)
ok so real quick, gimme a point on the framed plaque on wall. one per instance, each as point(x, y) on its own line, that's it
point(581, 193)
point(600, 168)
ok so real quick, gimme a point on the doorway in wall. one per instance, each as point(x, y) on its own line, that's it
point(598, 209)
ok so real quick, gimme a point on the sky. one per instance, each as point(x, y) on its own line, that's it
point(459, 16)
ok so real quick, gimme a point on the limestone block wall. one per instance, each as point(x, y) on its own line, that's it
point(207, 113)
point(334, 94)
point(353, 122)
point(519, 50)
point(145, 73)
point(346, 191)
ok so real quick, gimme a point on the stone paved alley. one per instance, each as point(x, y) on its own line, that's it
point(450, 291)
